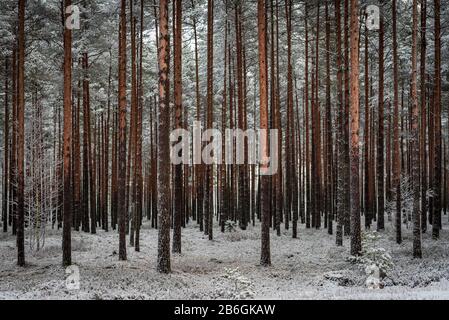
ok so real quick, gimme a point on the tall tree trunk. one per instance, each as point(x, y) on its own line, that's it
point(388, 158)
point(86, 153)
point(291, 168)
point(198, 168)
point(163, 178)
point(346, 158)
point(340, 133)
point(436, 218)
point(328, 130)
point(307, 135)
point(356, 244)
point(114, 172)
point(122, 210)
point(231, 126)
point(208, 195)
point(240, 114)
point(13, 159)
point(67, 222)
point(316, 140)
point(106, 142)
point(396, 158)
point(88, 169)
point(153, 148)
point(155, 213)
point(265, 259)
point(130, 181)
point(98, 145)
point(138, 170)
point(246, 203)
point(223, 207)
point(178, 179)
point(423, 101)
point(93, 165)
point(5, 153)
point(366, 154)
point(76, 161)
point(431, 145)
point(380, 133)
point(277, 123)
point(288, 134)
point(414, 139)
point(275, 188)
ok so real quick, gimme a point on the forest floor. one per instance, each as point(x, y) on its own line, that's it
point(310, 267)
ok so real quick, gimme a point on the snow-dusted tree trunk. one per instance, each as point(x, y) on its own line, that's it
point(130, 168)
point(121, 207)
point(437, 180)
point(76, 158)
point(265, 258)
point(380, 133)
point(67, 222)
point(89, 203)
point(356, 244)
point(13, 158)
point(414, 138)
point(345, 156)
point(396, 157)
point(138, 169)
point(20, 136)
point(340, 131)
point(5, 153)
point(368, 208)
point(328, 130)
point(209, 185)
point(423, 101)
point(163, 156)
point(223, 186)
point(178, 179)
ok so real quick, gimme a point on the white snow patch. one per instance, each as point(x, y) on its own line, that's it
point(310, 267)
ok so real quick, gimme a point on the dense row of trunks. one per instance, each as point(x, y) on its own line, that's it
point(323, 176)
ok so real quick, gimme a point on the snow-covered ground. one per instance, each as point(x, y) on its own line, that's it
point(310, 267)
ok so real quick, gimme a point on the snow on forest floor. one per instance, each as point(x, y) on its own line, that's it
point(310, 267)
